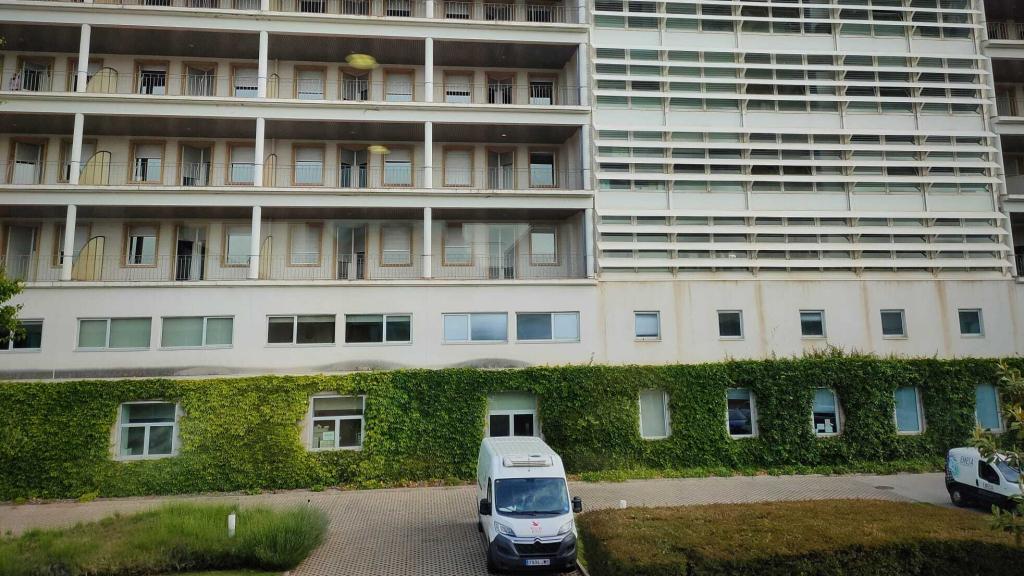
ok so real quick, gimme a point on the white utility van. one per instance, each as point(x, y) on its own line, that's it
point(524, 505)
point(972, 480)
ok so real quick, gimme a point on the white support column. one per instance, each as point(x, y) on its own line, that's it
point(583, 74)
point(588, 240)
point(76, 149)
point(585, 157)
point(254, 243)
point(69, 243)
point(428, 69)
point(258, 153)
point(428, 155)
point(261, 71)
point(581, 7)
point(264, 5)
point(428, 9)
point(83, 58)
point(428, 248)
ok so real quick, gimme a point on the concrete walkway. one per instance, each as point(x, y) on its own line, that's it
point(432, 531)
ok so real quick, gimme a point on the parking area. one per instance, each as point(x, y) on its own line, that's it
point(432, 531)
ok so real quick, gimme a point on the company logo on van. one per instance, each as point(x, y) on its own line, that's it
point(535, 526)
point(952, 466)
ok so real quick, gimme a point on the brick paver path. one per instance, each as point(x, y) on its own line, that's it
point(432, 531)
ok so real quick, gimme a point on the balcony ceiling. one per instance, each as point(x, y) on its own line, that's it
point(1012, 143)
point(141, 126)
point(190, 44)
point(1001, 10)
point(408, 132)
point(1005, 70)
point(36, 123)
point(86, 213)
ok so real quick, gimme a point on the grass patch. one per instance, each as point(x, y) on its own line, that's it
point(849, 537)
point(895, 467)
point(173, 538)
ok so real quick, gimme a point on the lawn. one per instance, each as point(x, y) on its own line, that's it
point(174, 538)
point(848, 537)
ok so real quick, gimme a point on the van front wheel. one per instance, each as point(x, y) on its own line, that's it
point(956, 495)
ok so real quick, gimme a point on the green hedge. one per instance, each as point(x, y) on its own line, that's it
point(243, 433)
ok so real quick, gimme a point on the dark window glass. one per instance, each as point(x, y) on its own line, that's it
point(892, 323)
point(499, 425)
point(523, 425)
point(399, 328)
point(315, 330)
point(812, 323)
point(730, 325)
point(533, 326)
point(280, 330)
point(987, 473)
point(364, 329)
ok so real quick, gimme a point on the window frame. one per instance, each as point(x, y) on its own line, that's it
point(229, 162)
point(384, 168)
point(384, 330)
point(718, 316)
point(10, 349)
point(388, 72)
point(210, 145)
point(666, 414)
point(444, 166)
point(824, 327)
point(296, 146)
point(469, 329)
point(206, 66)
point(999, 411)
point(511, 415)
point(309, 68)
point(133, 150)
point(139, 64)
point(204, 345)
point(64, 159)
point(556, 257)
point(551, 318)
point(56, 253)
point(554, 167)
point(412, 241)
point(468, 243)
point(235, 67)
point(106, 344)
point(12, 157)
point(127, 240)
point(295, 332)
point(903, 335)
point(48, 61)
point(292, 227)
point(921, 424)
point(313, 420)
point(539, 78)
point(637, 337)
point(175, 439)
point(226, 229)
point(753, 413)
point(840, 420)
point(72, 72)
point(446, 77)
point(981, 323)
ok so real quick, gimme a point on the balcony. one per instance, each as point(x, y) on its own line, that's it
point(1006, 31)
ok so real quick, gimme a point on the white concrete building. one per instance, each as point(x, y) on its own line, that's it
point(305, 185)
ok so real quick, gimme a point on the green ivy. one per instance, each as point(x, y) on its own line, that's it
point(244, 433)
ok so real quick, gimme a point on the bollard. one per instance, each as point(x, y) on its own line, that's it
point(231, 525)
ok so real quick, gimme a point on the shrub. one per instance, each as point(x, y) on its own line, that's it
point(177, 537)
point(850, 537)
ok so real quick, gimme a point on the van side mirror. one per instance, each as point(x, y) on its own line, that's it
point(485, 507)
point(577, 504)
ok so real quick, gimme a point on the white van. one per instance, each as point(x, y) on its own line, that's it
point(972, 480)
point(524, 506)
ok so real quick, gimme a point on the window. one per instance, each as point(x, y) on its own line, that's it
point(458, 88)
point(352, 168)
point(542, 92)
point(458, 167)
point(195, 164)
point(152, 78)
point(558, 326)
point(243, 164)
point(31, 339)
point(377, 328)
point(477, 327)
point(245, 82)
point(986, 407)
point(300, 329)
point(396, 245)
point(337, 422)
point(987, 473)
point(82, 234)
point(88, 151)
point(200, 79)
point(113, 333)
point(309, 166)
point(511, 414)
point(27, 163)
point(304, 241)
point(236, 245)
point(398, 167)
point(355, 86)
point(730, 324)
point(742, 415)
point(309, 83)
point(825, 413)
point(893, 324)
point(908, 411)
point(970, 322)
point(196, 331)
point(147, 162)
point(147, 430)
point(647, 325)
point(140, 249)
point(812, 323)
point(33, 74)
point(457, 249)
point(653, 414)
point(542, 169)
point(398, 86)
point(543, 245)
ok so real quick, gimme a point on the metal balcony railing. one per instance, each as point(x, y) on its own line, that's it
point(504, 12)
point(455, 262)
point(1010, 106)
point(1006, 31)
point(383, 8)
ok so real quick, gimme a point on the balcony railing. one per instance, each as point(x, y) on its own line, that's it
point(385, 8)
point(503, 12)
point(154, 172)
point(454, 263)
point(1006, 31)
point(1010, 106)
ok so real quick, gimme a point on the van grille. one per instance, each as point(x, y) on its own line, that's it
point(542, 549)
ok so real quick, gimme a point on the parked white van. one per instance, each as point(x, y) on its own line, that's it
point(524, 505)
point(972, 480)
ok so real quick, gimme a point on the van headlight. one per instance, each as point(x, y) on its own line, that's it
point(502, 529)
point(566, 528)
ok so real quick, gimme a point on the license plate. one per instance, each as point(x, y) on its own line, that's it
point(538, 562)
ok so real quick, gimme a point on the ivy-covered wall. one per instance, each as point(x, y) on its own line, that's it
point(244, 433)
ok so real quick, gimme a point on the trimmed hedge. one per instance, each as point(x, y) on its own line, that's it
point(821, 538)
point(244, 433)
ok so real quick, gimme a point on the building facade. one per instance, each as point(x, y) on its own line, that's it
point(242, 186)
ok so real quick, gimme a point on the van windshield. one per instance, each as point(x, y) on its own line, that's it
point(531, 496)
point(1009, 472)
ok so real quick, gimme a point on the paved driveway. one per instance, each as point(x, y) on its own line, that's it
point(432, 531)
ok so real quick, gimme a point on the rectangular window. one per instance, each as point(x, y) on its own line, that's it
point(653, 414)
point(113, 333)
point(200, 79)
point(986, 407)
point(458, 88)
point(398, 167)
point(543, 245)
point(196, 331)
point(825, 413)
point(147, 162)
point(300, 329)
point(908, 411)
point(236, 245)
point(647, 325)
point(742, 415)
point(309, 166)
point(511, 414)
point(396, 245)
point(377, 328)
point(812, 323)
point(30, 339)
point(147, 430)
point(337, 422)
point(82, 235)
point(27, 165)
point(458, 167)
point(398, 86)
point(140, 249)
point(88, 151)
point(304, 241)
point(970, 322)
point(542, 92)
point(477, 327)
point(243, 165)
point(730, 324)
point(355, 87)
point(309, 84)
point(893, 324)
point(558, 326)
point(542, 169)
point(245, 83)
point(152, 78)
point(457, 249)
